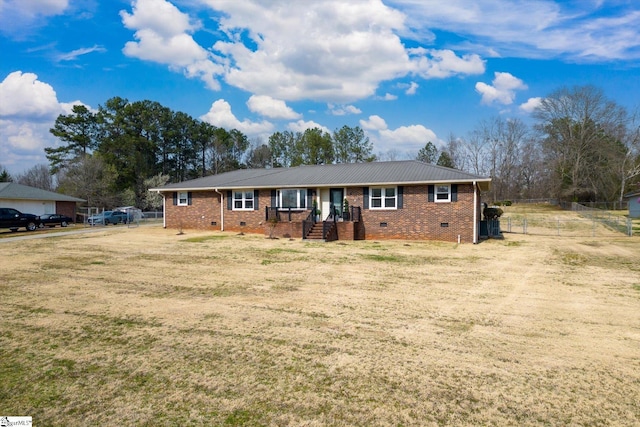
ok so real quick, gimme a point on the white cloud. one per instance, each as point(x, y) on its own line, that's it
point(163, 34)
point(327, 50)
point(503, 90)
point(22, 144)
point(540, 29)
point(412, 89)
point(28, 109)
point(23, 95)
point(157, 16)
point(343, 110)
point(374, 123)
point(433, 63)
point(220, 115)
point(74, 54)
point(410, 138)
point(16, 16)
point(387, 97)
point(272, 108)
point(301, 126)
point(23, 136)
point(531, 104)
point(67, 107)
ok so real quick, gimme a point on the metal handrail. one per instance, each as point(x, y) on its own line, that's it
point(271, 213)
point(307, 224)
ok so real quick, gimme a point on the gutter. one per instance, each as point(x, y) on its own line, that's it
point(221, 209)
point(475, 213)
point(325, 185)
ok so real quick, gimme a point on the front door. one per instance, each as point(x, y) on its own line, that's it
point(336, 197)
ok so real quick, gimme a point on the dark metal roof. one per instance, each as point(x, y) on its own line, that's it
point(11, 190)
point(345, 174)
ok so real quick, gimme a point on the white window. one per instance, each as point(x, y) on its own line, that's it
point(443, 193)
point(294, 198)
point(183, 198)
point(383, 198)
point(243, 200)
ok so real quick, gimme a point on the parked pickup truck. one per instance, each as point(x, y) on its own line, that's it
point(13, 219)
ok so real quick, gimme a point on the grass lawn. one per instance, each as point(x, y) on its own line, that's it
point(147, 327)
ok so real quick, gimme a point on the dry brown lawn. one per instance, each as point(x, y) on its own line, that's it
point(147, 327)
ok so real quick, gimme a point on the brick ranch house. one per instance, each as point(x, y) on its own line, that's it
point(354, 201)
point(36, 201)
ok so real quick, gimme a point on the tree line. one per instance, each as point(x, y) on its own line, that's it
point(113, 156)
point(582, 147)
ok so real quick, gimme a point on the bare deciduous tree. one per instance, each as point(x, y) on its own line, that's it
point(152, 199)
point(580, 132)
point(90, 178)
point(629, 167)
point(454, 149)
point(38, 176)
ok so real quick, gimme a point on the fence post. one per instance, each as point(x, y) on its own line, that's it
point(558, 224)
point(629, 227)
point(524, 226)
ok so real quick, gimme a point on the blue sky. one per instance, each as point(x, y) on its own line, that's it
point(406, 71)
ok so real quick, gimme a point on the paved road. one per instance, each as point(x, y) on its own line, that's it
point(79, 229)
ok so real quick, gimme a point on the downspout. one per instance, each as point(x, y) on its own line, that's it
point(221, 209)
point(164, 210)
point(475, 213)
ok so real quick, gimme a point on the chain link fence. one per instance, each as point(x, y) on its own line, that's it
point(134, 217)
point(582, 221)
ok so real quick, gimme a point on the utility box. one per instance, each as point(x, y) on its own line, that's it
point(490, 229)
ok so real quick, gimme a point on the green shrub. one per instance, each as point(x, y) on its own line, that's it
point(492, 213)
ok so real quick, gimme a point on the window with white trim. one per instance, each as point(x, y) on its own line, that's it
point(443, 193)
point(383, 198)
point(243, 200)
point(183, 198)
point(292, 198)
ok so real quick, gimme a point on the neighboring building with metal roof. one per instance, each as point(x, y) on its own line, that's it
point(36, 201)
point(378, 200)
point(634, 204)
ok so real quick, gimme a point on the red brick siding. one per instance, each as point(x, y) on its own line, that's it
point(204, 209)
point(346, 230)
point(67, 208)
point(285, 229)
point(419, 219)
point(255, 221)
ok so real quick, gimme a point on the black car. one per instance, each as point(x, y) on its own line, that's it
point(51, 220)
point(13, 219)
